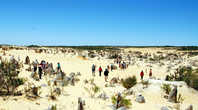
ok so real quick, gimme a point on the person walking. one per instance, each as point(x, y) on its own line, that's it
point(108, 67)
point(35, 64)
point(142, 75)
point(111, 67)
point(100, 70)
point(150, 73)
point(40, 71)
point(93, 70)
point(106, 74)
point(58, 67)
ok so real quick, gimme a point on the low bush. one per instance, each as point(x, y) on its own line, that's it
point(53, 107)
point(95, 89)
point(129, 82)
point(9, 79)
point(186, 74)
point(180, 99)
point(124, 102)
point(166, 88)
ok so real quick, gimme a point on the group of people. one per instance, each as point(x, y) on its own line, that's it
point(44, 67)
point(142, 74)
point(106, 72)
point(123, 65)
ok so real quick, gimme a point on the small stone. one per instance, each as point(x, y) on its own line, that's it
point(78, 73)
point(57, 91)
point(173, 95)
point(72, 74)
point(140, 99)
point(164, 108)
point(122, 108)
point(114, 80)
point(190, 108)
point(103, 96)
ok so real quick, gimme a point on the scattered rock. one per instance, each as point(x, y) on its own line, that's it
point(173, 95)
point(67, 78)
point(109, 85)
point(114, 80)
point(129, 92)
point(164, 108)
point(122, 108)
point(140, 99)
point(103, 96)
point(72, 74)
point(37, 103)
point(57, 91)
point(35, 91)
point(15, 99)
point(86, 81)
point(78, 74)
point(72, 81)
point(81, 104)
point(27, 60)
point(190, 108)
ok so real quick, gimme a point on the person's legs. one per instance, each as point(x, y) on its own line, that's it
point(105, 79)
point(93, 73)
point(141, 77)
point(35, 69)
point(58, 69)
point(99, 73)
point(40, 75)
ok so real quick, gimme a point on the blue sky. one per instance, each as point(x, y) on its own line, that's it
point(99, 22)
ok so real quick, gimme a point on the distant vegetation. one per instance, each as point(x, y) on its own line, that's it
point(87, 47)
point(33, 46)
point(186, 48)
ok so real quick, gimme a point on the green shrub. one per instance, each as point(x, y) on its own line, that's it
point(188, 75)
point(9, 80)
point(194, 83)
point(166, 88)
point(180, 99)
point(124, 102)
point(129, 82)
point(95, 89)
point(53, 107)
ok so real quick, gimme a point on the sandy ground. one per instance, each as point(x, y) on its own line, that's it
point(68, 99)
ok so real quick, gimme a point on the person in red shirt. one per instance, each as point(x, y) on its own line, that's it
point(142, 75)
point(100, 70)
point(150, 73)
